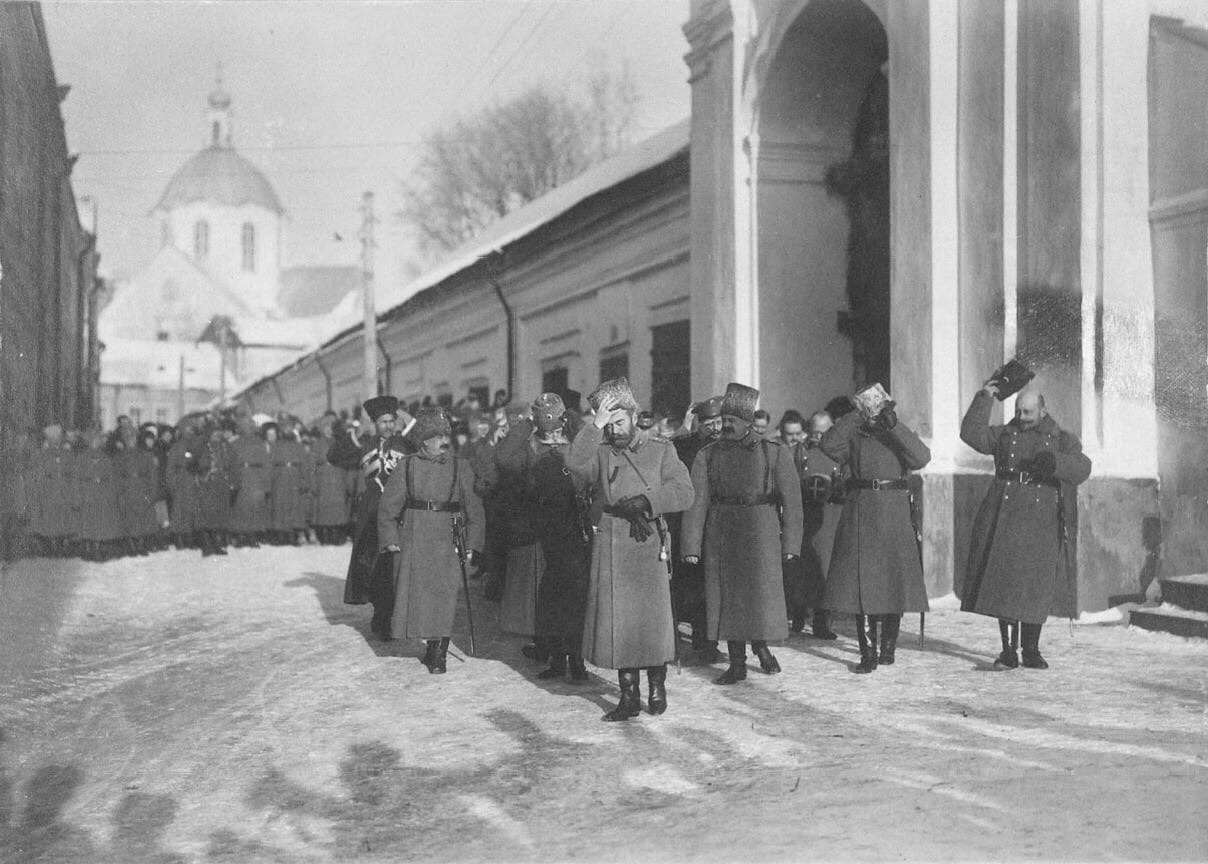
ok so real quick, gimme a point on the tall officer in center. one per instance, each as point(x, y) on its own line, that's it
point(637, 479)
point(742, 483)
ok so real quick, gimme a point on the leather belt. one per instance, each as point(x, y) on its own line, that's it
point(878, 485)
point(433, 506)
point(741, 500)
point(1025, 477)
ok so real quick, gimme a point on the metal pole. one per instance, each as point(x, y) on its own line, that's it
point(370, 322)
point(180, 393)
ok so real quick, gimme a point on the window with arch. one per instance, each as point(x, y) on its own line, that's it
point(248, 239)
point(201, 239)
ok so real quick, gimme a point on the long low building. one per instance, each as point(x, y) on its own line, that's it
point(908, 192)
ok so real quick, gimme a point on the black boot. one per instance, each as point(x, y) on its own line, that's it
point(1009, 658)
point(656, 677)
point(557, 666)
point(431, 646)
point(890, 625)
point(1031, 647)
point(578, 672)
point(207, 544)
point(738, 664)
point(821, 626)
point(440, 656)
point(797, 619)
point(866, 635)
point(767, 660)
point(220, 542)
point(631, 696)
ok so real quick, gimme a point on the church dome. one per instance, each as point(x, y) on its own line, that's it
point(219, 175)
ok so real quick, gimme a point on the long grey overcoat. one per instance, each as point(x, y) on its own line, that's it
point(875, 568)
point(628, 623)
point(427, 573)
point(742, 545)
point(1020, 566)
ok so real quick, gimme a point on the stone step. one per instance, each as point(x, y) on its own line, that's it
point(1171, 619)
point(1187, 592)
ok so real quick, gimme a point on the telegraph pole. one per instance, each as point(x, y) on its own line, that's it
point(370, 324)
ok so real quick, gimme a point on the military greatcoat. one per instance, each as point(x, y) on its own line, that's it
point(1022, 558)
point(137, 489)
point(332, 487)
point(215, 478)
point(525, 567)
point(98, 517)
point(182, 482)
point(253, 481)
point(876, 567)
point(822, 489)
point(290, 485)
point(734, 526)
point(423, 501)
point(52, 476)
point(628, 619)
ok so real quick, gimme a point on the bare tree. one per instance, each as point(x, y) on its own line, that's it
point(479, 168)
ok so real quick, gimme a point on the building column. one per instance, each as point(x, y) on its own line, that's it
point(724, 306)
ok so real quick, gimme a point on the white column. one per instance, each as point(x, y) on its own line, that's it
point(945, 235)
point(745, 184)
point(1010, 187)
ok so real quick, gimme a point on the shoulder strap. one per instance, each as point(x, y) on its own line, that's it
point(767, 467)
point(453, 487)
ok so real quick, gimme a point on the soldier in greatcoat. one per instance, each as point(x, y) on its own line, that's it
point(628, 624)
point(181, 477)
point(430, 517)
point(745, 487)
point(214, 469)
point(559, 522)
point(702, 426)
point(822, 489)
point(290, 488)
point(95, 501)
point(252, 483)
point(525, 563)
point(369, 578)
point(136, 490)
point(51, 479)
point(333, 489)
point(1022, 559)
point(876, 568)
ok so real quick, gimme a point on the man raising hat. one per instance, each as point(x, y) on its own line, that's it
point(734, 529)
point(375, 456)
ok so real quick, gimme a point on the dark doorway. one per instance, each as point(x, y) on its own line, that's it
point(671, 380)
point(615, 365)
point(554, 380)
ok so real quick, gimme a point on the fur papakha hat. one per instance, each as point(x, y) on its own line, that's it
point(548, 409)
point(740, 401)
point(379, 405)
point(429, 423)
point(619, 389)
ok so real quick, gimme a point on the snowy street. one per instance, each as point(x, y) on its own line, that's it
point(171, 708)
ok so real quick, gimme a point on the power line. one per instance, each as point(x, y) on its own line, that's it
point(490, 54)
point(544, 15)
point(173, 151)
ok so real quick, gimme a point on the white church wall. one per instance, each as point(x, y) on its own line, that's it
point(224, 258)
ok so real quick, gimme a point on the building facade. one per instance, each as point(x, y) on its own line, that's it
point(48, 261)
point(902, 191)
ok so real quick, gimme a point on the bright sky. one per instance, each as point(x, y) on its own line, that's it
point(328, 97)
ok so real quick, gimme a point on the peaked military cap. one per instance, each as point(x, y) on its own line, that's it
point(708, 409)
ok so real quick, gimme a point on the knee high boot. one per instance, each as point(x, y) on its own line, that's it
point(866, 635)
point(890, 625)
point(1031, 647)
point(767, 660)
point(656, 677)
point(631, 696)
point(439, 666)
point(1008, 631)
point(738, 664)
point(557, 662)
point(578, 671)
point(821, 626)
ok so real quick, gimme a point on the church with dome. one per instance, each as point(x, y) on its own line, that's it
point(214, 308)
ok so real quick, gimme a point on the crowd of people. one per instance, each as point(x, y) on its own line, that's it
point(601, 530)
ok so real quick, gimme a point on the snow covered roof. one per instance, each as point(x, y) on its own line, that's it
point(141, 362)
point(307, 291)
point(648, 154)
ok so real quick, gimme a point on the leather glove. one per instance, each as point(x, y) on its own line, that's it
point(640, 530)
point(634, 510)
point(888, 418)
point(1043, 465)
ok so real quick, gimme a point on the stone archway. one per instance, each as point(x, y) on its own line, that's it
point(822, 205)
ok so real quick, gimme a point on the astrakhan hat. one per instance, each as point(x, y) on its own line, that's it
point(619, 389)
point(740, 401)
point(379, 405)
point(429, 423)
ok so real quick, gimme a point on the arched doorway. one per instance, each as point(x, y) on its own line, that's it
point(823, 207)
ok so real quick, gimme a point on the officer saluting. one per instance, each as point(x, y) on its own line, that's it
point(876, 571)
point(375, 457)
point(1021, 557)
point(734, 526)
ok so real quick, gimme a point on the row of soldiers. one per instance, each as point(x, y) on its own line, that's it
point(593, 547)
point(220, 480)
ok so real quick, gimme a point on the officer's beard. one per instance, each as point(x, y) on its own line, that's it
point(620, 439)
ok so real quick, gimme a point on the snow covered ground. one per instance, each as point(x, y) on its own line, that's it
point(173, 708)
